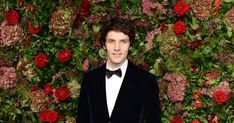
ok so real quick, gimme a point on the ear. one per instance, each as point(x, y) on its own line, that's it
point(130, 47)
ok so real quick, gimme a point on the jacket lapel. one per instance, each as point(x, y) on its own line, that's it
point(126, 85)
point(102, 100)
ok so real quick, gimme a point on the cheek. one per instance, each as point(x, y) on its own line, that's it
point(126, 52)
point(109, 46)
point(127, 48)
point(108, 49)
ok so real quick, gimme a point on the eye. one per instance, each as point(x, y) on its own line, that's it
point(109, 41)
point(124, 41)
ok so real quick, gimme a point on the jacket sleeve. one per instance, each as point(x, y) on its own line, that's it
point(84, 110)
point(152, 102)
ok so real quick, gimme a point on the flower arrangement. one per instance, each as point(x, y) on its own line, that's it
point(47, 46)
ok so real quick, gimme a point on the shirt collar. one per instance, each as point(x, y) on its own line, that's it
point(123, 67)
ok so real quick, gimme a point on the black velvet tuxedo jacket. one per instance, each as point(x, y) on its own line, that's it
point(137, 101)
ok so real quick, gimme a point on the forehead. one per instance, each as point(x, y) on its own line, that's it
point(116, 35)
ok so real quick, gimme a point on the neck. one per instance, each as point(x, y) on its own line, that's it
point(115, 66)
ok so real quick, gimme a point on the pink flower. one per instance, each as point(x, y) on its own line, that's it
point(8, 77)
point(85, 65)
point(176, 89)
point(9, 34)
point(149, 38)
point(57, 75)
point(148, 6)
point(39, 100)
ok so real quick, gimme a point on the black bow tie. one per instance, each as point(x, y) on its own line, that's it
point(109, 73)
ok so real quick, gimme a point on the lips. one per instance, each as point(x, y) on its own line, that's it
point(116, 54)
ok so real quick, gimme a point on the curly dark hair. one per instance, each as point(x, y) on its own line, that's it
point(119, 25)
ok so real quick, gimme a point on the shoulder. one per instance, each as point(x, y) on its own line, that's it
point(142, 78)
point(96, 71)
point(139, 72)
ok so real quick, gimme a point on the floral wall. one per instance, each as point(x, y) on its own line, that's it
point(47, 45)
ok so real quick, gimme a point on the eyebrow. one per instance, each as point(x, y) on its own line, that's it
point(124, 40)
point(120, 40)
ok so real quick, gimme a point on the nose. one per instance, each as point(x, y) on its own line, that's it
point(116, 47)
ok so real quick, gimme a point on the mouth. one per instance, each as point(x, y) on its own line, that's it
point(116, 54)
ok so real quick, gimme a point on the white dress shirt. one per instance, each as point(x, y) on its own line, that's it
point(113, 85)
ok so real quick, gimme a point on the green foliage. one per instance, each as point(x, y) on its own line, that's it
point(168, 53)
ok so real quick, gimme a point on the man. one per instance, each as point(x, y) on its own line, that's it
point(130, 95)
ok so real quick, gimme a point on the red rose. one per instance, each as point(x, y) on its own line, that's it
point(84, 13)
point(34, 30)
point(12, 17)
point(181, 8)
point(179, 28)
point(48, 116)
point(48, 88)
point(53, 116)
point(64, 56)
point(195, 121)
point(176, 120)
point(62, 93)
point(41, 60)
point(84, 9)
point(43, 115)
point(85, 5)
point(220, 97)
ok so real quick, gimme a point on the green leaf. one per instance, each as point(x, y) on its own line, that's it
point(197, 54)
point(228, 1)
point(18, 111)
point(101, 53)
point(194, 24)
point(152, 71)
point(229, 34)
point(95, 28)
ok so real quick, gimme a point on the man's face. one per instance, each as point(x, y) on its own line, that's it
point(117, 46)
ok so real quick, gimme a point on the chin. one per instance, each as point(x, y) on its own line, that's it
point(117, 61)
